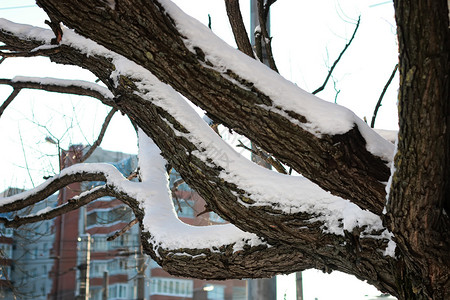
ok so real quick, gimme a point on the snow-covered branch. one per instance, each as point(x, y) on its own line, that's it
point(232, 87)
point(72, 204)
point(75, 87)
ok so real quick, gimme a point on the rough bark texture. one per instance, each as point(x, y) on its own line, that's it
point(418, 207)
point(416, 213)
point(150, 38)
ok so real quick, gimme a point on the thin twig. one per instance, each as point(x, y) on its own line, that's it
point(8, 101)
point(336, 90)
point(122, 231)
point(100, 136)
point(375, 112)
point(38, 52)
point(267, 158)
point(25, 158)
point(338, 59)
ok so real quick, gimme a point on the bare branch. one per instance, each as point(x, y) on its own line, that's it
point(267, 158)
point(32, 53)
point(51, 186)
point(8, 101)
point(72, 204)
point(25, 158)
point(101, 135)
point(375, 112)
point(122, 231)
point(75, 87)
point(238, 27)
point(263, 13)
point(338, 59)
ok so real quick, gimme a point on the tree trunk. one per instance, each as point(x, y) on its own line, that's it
point(418, 207)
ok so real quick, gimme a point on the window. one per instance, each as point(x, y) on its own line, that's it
point(5, 272)
point(6, 250)
point(95, 294)
point(8, 232)
point(115, 214)
point(118, 291)
point(184, 209)
point(100, 243)
point(171, 287)
point(239, 293)
point(217, 292)
point(98, 268)
point(120, 242)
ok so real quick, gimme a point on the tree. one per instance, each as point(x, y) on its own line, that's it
point(336, 217)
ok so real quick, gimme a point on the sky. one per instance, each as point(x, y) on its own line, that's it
point(307, 38)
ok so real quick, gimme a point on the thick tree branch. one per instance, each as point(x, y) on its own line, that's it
point(233, 88)
point(345, 154)
point(338, 59)
point(100, 136)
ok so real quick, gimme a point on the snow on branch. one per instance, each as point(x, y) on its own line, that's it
point(160, 218)
point(76, 87)
point(76, 173)
point(297, 118)
point(322, 117)
point(72, 204)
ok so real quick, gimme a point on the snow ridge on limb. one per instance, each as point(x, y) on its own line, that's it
point(323, 117)
point(289, 234)
point(153, 42)
point(326, 209)
point(160, 218)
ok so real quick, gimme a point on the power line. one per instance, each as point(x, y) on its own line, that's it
point(17, 7)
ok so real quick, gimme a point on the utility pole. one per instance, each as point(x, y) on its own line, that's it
point(105, 285)
point(260, 289)
point(299, 285)
point(84, 267)
point(140, 271)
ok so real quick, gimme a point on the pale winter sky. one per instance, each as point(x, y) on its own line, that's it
point(307, 37)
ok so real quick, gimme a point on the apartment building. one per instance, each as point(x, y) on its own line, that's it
point(47, 260)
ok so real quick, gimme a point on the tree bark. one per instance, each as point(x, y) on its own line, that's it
point(418, 207)
point(151, 39)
